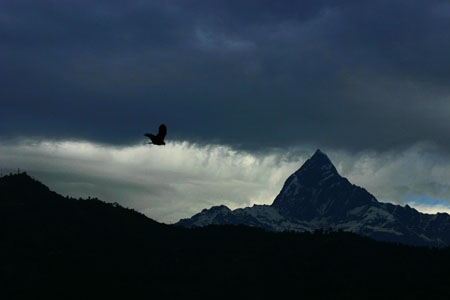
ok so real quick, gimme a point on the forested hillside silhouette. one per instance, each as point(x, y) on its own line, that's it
point(55, 247)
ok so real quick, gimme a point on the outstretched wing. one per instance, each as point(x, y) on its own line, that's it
point(162, 131)
point(149, 135)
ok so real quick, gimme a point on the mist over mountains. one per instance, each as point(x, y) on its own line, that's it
point(317, 197)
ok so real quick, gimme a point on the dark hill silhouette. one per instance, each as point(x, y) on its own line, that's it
point(55, 247)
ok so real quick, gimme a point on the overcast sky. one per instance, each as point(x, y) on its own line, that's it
point(247, 89)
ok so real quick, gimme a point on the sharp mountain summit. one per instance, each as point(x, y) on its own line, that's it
point(317, 197)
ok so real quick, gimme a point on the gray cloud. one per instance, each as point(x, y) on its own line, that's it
point(348, 75)
point(181, 179)
point(399, 177)
point(164, 183)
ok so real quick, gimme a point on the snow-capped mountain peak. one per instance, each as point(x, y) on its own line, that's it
point(314, 190)
point(316, 196)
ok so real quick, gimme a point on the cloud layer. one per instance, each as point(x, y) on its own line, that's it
point(353, 75)
point(180, 179)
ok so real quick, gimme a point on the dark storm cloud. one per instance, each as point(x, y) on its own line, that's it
point(253, 74)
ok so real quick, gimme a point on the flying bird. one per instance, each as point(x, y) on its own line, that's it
point(159, 138)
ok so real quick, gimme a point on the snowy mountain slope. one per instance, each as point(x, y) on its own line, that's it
point(316, 196)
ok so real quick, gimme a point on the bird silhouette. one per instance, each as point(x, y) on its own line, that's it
point(159, 138)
